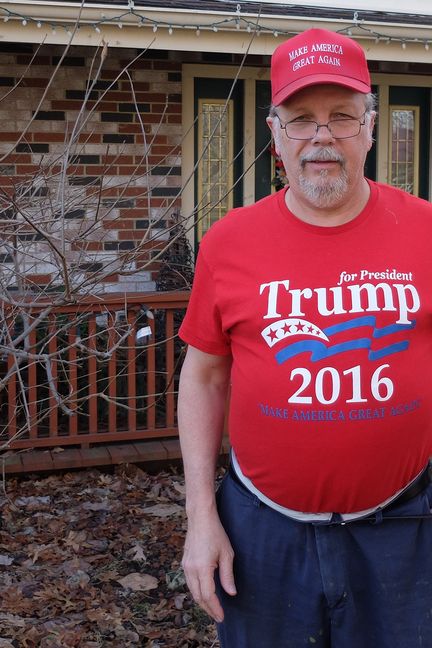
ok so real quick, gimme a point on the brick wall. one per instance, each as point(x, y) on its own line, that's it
point(92, 212)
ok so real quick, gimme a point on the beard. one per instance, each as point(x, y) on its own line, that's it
point(324, 190)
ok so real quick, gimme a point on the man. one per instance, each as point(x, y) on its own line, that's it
point(315, 304)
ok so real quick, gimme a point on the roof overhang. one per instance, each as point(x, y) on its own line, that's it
point(238, 28)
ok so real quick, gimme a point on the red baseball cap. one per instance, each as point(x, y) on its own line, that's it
point(317, 56)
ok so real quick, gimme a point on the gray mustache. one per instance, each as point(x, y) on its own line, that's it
point(324, 154)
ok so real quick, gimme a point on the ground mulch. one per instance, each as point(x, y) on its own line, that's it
point(91, 559)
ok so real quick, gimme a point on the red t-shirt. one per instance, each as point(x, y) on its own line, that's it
point(330, 330)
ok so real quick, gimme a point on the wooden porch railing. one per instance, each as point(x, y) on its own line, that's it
point(82, 376)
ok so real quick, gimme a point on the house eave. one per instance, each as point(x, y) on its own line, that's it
point(201, 30)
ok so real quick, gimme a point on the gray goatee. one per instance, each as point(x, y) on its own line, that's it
point(324, 191)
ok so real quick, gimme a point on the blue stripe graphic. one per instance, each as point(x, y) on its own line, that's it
point(388, 350)
point(350, 324)
point(393, 328)
point(319, 350)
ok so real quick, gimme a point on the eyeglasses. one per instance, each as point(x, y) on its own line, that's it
point(339, 128)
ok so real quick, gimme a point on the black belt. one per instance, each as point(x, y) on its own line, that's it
point(414, 489)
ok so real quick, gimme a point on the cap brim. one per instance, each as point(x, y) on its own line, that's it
point(317, 79)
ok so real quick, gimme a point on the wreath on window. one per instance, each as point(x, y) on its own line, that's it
point(280, 179)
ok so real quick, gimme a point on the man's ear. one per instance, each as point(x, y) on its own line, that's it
point(371, 127)
point(271, 124)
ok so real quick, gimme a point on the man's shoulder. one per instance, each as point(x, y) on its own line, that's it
point(393, 197)
point(239, 218)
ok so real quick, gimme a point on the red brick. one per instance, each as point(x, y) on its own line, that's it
point(142, 204)
point(109, 75)
point(130, 128)
point(34, 82)
point(153, 118)
point(98, 170)
point(6, 182)
point(174, 108)
point(75, 170)
point(8, 136)
point(127, 171)
point(48, 137)
point(131, 235)
point(38, 279)
point(151, 96)
point(119, 224)
point(138, 86)
point(174, 119)
point(25, 59)
point(90, 246)
point(20, 158)
point(167, 65)
point(140, 64)
point(119, 95)
point(165, 150)
point(91, 138)
point(26, 169)
point(108, 106)
point(118, 159)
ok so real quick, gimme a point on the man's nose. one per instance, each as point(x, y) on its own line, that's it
point(323, 134)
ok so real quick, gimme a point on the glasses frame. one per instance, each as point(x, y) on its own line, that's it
point(360, 120)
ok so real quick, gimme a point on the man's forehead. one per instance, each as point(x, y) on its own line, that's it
point(334, 96)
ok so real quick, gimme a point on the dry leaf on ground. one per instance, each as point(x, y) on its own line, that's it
point(91, 559)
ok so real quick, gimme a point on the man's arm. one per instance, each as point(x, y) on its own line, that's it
point(203, 390)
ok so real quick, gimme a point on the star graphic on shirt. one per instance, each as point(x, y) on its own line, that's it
point(272, 335)
point(290, 328)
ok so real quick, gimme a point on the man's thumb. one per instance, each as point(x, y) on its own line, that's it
point(226, 575)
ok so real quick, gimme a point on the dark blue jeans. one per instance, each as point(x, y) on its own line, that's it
point(363, 584)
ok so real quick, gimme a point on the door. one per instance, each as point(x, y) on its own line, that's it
point(218, 109)
point(409, 132)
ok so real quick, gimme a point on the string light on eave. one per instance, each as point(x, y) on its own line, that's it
point(234, 22)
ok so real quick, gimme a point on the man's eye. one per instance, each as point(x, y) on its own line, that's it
point(342, 116)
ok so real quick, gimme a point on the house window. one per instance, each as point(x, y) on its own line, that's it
point(404, 148)
point(215, 161)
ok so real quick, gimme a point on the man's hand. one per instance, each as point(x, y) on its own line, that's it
point(203, 393)
point(207, 548)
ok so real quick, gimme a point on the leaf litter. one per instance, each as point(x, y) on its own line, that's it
point(91, 559)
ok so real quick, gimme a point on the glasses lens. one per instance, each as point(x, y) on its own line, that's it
point(301, 129)
point(341, 128)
